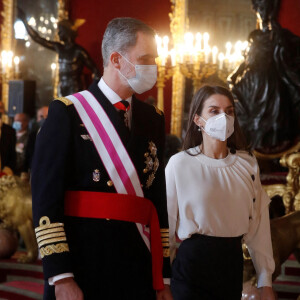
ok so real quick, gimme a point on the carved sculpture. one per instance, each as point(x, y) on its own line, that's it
point(72, 58)
point(16, 212)
point(285, 233)
point(267, 84)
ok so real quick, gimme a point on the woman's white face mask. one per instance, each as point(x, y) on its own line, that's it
point(145, 77)
point(220, 127)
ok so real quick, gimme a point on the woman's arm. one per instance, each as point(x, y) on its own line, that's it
point(172, 202)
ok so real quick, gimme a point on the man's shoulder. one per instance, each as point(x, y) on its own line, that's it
point(64, 100)
point(150, 109)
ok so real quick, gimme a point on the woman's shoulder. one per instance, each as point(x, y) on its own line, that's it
point(248, 158)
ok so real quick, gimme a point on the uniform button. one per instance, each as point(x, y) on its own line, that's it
point(250, 218)
point(145, 171)
point(110, 183)
point(254, 200)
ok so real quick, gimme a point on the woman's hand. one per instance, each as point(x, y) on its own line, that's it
point(266, 293)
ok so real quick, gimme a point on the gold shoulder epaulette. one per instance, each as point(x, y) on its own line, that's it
point(65, 100)
point(158, 110)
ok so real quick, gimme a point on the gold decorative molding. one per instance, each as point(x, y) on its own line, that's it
point(291, 199)
point(276, 155)
point(62, 10)
point(7, 43)
point(275, 190)
point(177, 27)
point(290, 192)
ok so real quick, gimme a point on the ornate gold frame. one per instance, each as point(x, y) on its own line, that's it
point(7, 43)
point(7, 39)
point(178, 18)
point(290, 191)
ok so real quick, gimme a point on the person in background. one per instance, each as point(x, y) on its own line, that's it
point(20, 125)
point(7, 146)
point(41, 116)
point(216, 201)
point(151, 100)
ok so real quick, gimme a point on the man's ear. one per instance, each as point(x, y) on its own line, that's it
point(115, 59)
point(197, 120)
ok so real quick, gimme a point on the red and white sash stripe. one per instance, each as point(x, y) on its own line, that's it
point(110, 148)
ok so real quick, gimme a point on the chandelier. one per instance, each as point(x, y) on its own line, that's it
point(196, 60)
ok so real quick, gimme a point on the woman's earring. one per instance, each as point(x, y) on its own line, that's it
point(199, 129)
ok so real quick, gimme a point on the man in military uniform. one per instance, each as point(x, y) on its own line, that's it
point(86, 253)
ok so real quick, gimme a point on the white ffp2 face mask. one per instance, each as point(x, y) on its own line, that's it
point(145, 77)
point(220, 127)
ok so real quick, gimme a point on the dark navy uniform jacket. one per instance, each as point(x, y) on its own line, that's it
point(108, 258)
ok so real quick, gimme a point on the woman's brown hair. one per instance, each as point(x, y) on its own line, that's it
point(194, 138)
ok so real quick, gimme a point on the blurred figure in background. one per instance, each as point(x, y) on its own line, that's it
point(41, 116)
point(20, 125)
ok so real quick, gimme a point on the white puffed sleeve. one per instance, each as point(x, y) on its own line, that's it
point(172, 202)
point(258, 239)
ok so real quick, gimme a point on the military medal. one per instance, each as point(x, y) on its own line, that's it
point(96, 175)
point(86, 137)
point(126, 118)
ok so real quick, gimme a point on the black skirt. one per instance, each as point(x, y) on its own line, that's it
point(208, 268)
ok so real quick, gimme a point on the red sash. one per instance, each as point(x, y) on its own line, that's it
point(121, 207)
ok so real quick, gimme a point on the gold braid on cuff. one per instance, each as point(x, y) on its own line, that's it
point(50, 237)
point(165, 241)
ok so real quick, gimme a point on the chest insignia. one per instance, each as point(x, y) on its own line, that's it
point(96, 175)
point(151, 162)
point(86, 137)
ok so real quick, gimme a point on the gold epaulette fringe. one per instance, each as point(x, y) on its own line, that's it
point(65, 100)
point(158, 110)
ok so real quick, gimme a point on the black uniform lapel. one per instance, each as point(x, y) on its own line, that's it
point(110, 111)
point(138, 121)
point(138, 135)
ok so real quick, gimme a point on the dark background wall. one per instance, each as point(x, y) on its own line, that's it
point(289, 16)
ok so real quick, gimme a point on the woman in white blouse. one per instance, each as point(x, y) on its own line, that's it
point(216, 201)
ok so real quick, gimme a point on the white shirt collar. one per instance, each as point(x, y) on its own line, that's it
point(109, 93)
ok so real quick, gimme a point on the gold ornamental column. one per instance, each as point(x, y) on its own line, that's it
point(177, 27)
point(62, 14)
point(6, 45)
